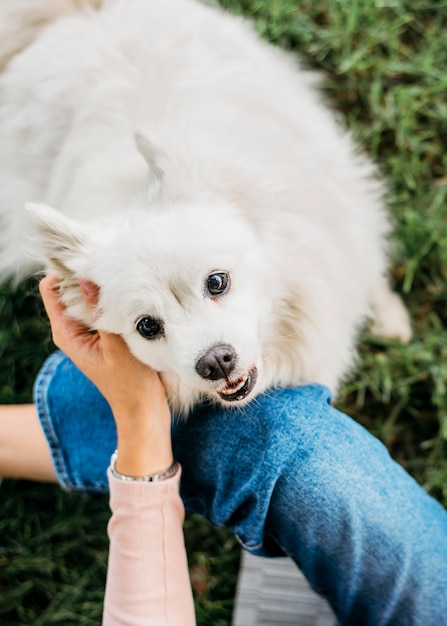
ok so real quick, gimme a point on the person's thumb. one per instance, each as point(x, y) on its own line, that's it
point(90, 291)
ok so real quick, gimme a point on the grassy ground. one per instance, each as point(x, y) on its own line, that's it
point(385, 72)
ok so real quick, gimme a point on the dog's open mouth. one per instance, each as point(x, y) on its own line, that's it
point(236, 390)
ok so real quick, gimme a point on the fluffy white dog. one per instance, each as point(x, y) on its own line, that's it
point(238, 240)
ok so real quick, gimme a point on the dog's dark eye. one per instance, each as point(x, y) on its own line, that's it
point(218, 283)
point(149, 327)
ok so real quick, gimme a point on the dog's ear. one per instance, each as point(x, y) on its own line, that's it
point(156, 158)
point(61, 242)
point(64, 245)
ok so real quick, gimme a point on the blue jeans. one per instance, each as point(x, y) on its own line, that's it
point(288, 474)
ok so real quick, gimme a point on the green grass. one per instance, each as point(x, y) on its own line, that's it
point(384, 65)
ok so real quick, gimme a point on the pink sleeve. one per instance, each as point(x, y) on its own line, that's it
point(147, 579)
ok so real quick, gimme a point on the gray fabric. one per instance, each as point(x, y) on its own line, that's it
point(273, 592)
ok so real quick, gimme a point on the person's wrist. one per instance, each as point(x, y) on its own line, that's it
point(131, 409)
point(136, 412)
point(169, 472)
point(144, 439)
point(142, 461)
point(144, 450)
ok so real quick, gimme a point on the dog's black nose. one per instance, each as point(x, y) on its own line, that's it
point(217, 363)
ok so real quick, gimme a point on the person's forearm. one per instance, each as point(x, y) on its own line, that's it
point(144, 447)
point(147, 580)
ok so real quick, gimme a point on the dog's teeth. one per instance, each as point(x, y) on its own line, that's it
point(241, 384)
point(231, 390)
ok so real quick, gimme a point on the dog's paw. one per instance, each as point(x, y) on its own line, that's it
point(390, 318)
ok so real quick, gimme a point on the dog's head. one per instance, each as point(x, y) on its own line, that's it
point(183, 285)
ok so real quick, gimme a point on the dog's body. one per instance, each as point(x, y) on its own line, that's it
point(237, 240)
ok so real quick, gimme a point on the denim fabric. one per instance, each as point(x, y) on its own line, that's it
point(288, 474)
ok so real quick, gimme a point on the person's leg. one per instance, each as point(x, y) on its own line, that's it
point(287, 474)
point(78, 424)
point(291, 475)
point(24, 450)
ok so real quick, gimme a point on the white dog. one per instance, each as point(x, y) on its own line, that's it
point(238, 240)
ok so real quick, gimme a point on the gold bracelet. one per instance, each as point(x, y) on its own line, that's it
point(152, 478)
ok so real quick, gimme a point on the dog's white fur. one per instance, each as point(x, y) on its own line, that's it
point(173, 142)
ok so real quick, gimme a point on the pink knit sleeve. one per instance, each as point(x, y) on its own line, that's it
point(147, 580)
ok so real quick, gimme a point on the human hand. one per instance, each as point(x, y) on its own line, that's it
point(134, 391)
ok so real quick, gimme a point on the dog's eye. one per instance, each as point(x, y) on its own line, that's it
point(149, 327)
point(218, 283)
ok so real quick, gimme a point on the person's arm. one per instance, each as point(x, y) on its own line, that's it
point(147, 579)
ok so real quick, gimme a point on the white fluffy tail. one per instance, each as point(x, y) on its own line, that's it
point(21, 21)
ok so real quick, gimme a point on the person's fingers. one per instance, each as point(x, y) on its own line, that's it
point(117, 354)
point(53, 306)
point(48, 291)
point(64, 329)
point(90, 292)
point(114, 347)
